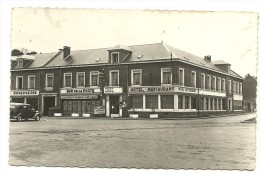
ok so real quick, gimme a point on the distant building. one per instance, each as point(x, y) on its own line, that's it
point(150, 80)
point(249, 93)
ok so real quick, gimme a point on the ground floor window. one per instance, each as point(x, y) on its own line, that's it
point(79, 106)
point(215, 104)
point(224, 106)
point(167, 101)
point(207, 104)
point(137, 101)
point(202, 103)
point(211, 104)
point(180, 102)
point(151, 101)
point(193, 102)
point(187, 100)
point(219, 104)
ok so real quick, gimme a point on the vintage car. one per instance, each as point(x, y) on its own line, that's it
point(20, 111)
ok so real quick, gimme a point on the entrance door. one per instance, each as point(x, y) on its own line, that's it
point(114, 104)
point(48, 103)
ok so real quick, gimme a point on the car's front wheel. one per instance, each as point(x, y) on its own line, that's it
point(19, 118)
point(37, 118)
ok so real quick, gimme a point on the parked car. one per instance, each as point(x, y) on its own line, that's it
point(20, 111)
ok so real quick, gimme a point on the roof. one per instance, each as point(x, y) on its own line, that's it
point(120, 47)
point(220, 62)
point(249, 76)
point(145, 52)
point(38, 60)
point(81, 57)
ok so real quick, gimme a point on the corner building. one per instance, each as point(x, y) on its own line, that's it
point(151, 80)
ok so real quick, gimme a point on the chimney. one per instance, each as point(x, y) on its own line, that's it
point(66, 52)
point(208, 58)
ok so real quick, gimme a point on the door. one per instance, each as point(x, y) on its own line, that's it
point(48, 103)
point(114, 104)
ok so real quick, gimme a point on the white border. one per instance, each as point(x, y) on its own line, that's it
point(5, 19)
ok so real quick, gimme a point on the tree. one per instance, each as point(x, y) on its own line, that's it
point(16, 52)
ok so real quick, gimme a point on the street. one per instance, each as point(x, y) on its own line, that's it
point(213, 143)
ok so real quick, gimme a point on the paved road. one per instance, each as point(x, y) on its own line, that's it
point(215, 143)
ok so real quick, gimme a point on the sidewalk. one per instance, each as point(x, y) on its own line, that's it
point(128, 118)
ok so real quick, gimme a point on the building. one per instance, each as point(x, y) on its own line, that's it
point(150, 80)
point(249, 93)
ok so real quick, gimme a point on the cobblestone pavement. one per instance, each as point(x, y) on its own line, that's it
point(214, 143)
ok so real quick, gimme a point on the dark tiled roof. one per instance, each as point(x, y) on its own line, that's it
point(145, 52)
point(81, 57)
point(36, 60)
point(220, 62)
point(120, 47)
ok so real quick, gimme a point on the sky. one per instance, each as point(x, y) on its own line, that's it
point(231, 36)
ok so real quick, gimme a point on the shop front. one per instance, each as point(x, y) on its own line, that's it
point(161, 101)
point(26, 96)
point(114, 101)
point(81, 101)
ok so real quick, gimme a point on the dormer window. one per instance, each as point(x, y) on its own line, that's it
point(114, 57)
point(20, 63)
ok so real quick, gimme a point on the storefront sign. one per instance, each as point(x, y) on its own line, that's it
point(80, 90)
point(149, 89)
point(24, 92)
point(113, 90)
point(185, 89)
point(79, 96)
point(99, 110)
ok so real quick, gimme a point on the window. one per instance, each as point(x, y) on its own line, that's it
point(187, 99)
point(208, 82)
point(211, 104)
point(229, 86)
point(114, 78)
point(214, 83)
point(151, 101)
point(193, 79)
point(234, 87)
point(215, 104)
point(167, 101)
point(136, 77)
point(193, 102)
point(94, 78)
point(181, 76)
point(219, 84)
point(180, 102)
point(237, 88)
point(67, 80)
point(240, 88)
point(31, 82)
point(202, 103)
point(114, 57)
point(49, 80)
point(166, 77)
point(80, 79)
point(20, 63)
point(207, 104)
point(219, 104)
point(223, 85)
point(19, 82)
point(202, 81)
point(137, 102)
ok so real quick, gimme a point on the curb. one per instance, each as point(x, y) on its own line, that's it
point(126, 118)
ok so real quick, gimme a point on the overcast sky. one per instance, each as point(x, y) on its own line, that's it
point(230, 36)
